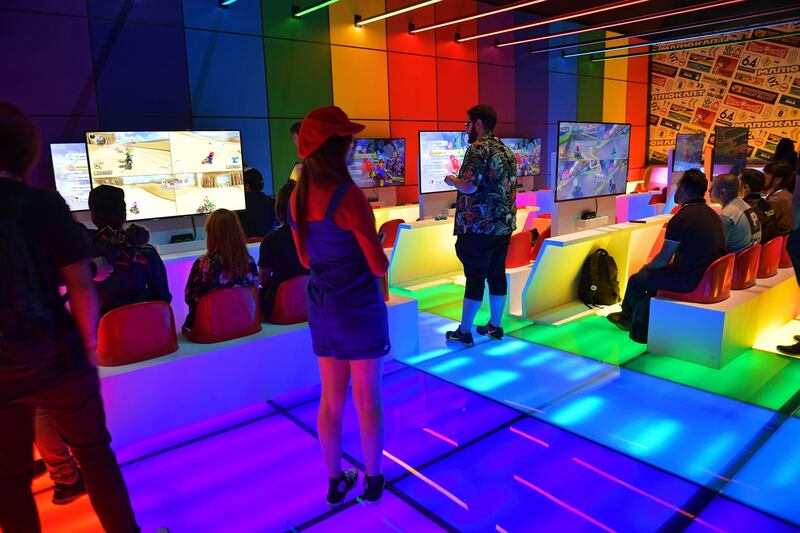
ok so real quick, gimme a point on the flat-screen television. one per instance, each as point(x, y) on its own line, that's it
point(440, 154)
point(592, 159)
point(379, 163)
point(688, 152)
point(528, 153)
point(169, 173)
point(71, 172)
point(730, 150)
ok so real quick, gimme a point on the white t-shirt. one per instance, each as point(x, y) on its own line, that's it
point(741, 224)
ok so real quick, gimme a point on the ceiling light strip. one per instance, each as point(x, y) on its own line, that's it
point(664, 30)
point(559, 18)
point(681, 39)
point(382, 16)
point(509, 7)
point(686, 48)
point(297, 12)
point(634, 20)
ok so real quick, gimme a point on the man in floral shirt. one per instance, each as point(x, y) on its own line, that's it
point(485, 218)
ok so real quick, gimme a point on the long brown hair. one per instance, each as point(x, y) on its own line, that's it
point(327, 164)
point(225, 238)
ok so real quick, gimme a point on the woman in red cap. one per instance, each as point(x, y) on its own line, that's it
point(334, 230)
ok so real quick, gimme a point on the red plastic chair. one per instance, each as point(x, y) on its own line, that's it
point(253, 240)
point(770, 257)
point(390, 228)
point(226, 314)
point(136, 332)
point(745, 268)
point(519, 250)
point(539, 242)
point(291, 302)
point(714, 286)
point(786, 261)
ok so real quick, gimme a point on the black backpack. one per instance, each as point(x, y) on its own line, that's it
point(598, 283)
point(26, 319)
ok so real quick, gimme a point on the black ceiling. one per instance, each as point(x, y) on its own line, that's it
point(559, 7)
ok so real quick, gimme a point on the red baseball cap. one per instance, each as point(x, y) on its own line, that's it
point(320, 125)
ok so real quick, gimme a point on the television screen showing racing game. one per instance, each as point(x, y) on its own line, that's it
point(379, 163)
point(730, 150)
point(71, 172)
point(528, 153)
point(592, 159)
point(440, 155)
point(167, 174)
point(688, 152)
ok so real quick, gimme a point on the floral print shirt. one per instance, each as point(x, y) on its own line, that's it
point(491, 210)
point(207, 276)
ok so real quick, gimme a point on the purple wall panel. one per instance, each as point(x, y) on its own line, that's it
point(66, 7)
point(155, 11)
point(496, 88)
point(57, 130)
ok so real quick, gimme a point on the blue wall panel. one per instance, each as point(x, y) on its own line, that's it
point(153, 11)
point(244, 17)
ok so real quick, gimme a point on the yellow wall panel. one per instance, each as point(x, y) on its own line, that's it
point(615, 85)
point(344, 31)
point(360, 82)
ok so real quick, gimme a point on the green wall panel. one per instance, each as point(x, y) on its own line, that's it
point(298, 77)
point(589, 106)
point(278, 21)
point(283, 151)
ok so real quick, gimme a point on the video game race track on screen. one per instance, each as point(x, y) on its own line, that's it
point(166, 174)
point(378, 163)
point(592, 159)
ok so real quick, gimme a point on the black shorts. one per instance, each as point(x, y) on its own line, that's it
point(484, 259)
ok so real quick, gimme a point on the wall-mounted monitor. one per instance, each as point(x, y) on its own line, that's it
point(169, 173)
point(528, 153)
point(71, 172)
point(592, 160)
point(440, 155)
point(730, 150)
point(688, 152)
point(379, 163)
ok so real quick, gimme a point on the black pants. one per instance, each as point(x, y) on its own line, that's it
point(793, 249)
point(484, 259)
point(645, 283)
point(76, 409)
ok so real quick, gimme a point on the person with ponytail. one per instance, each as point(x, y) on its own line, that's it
point(334, 231)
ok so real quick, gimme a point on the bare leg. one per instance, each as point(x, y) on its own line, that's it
point(496, 304)
point(368, 398)
point(468, 312)
point(335, 378)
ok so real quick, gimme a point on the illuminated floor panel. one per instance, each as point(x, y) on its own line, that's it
point(592, 336)
point(736, 518)
point(434, 296)
point(392, 515)
point(534, 477)
point(453, 311)
point(771, 480)
point(425, 418)
point(757, 377)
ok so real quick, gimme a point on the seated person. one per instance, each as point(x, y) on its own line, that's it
point(258, 217)
point(277, 258)
point(226, 262)
point(694, 239)
point(752, 184)
point(780, 184)
point(739, 220)
point(138, 274)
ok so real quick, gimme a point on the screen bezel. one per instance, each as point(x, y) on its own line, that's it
point(419, 160)
point(52, 165)
point(91, 181)
point(675, 150)
point(527, 139)
point(405, 161)
point(558, 160)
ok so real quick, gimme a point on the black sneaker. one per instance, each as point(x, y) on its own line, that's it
point(620, 320)
point(494, 332)
point(373, 489)
point(39, 468)
point(792, 350)
point(460, 336)
point(64, 494)
point(797, 338)
point(339, 487)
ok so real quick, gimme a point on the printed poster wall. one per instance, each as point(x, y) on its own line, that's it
point(753, 84)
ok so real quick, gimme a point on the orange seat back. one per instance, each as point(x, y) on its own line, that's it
point(226, 314)
point(519, 250)
point(136, 332)
point(539, 242)
point(390, 228)
point(770, 257)
point(253, 240)
point(745, 268)
point(659, 242)
point(714, 286)
point(786, 261)
point(291, 302)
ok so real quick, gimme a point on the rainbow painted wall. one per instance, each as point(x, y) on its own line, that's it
point(78, 65)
